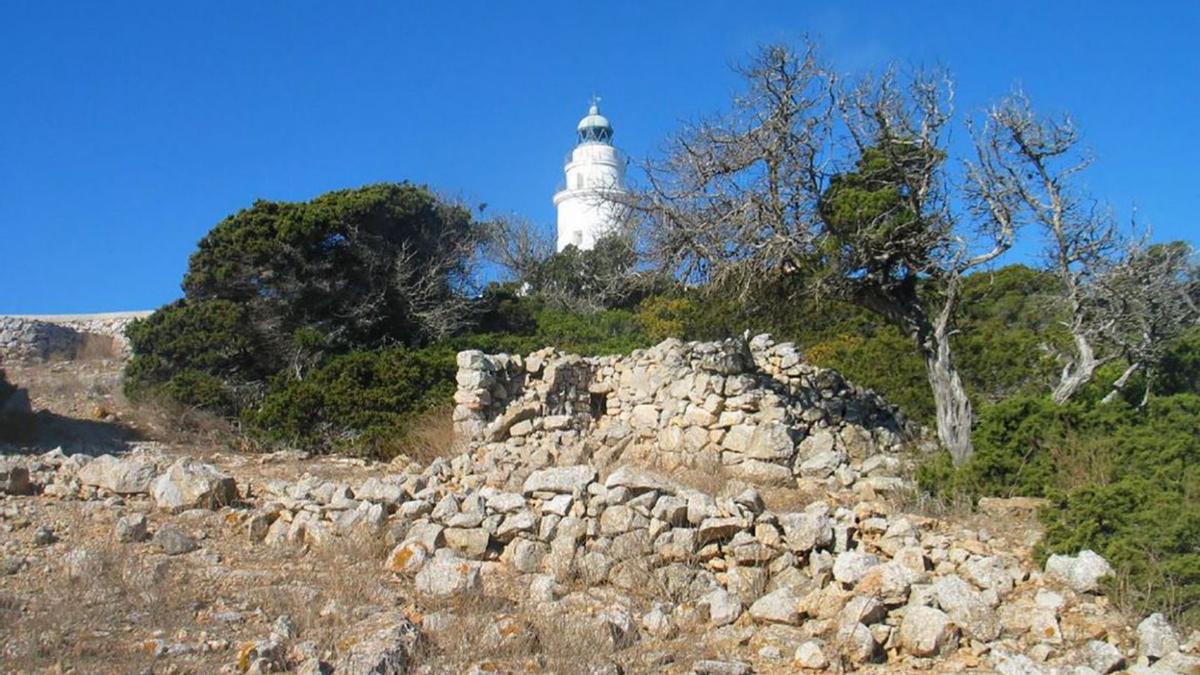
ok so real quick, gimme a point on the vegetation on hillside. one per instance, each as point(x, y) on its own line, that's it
point(332, 324)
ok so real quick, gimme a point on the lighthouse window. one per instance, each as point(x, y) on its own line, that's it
point(578, 238)
point(579, 181)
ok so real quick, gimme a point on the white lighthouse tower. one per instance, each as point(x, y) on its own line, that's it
point(595, 173)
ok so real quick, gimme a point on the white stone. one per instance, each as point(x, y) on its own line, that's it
point(447, 574)
point(721, 606)
point(126, 475)
point(562, 480)
point(1081, 573)
point(1156, 637)
point(189, 483)
point(779, 606)
point(927, 631)
point(810, 654)
point(967, 608)
point(1103, 657)
point(850, 566)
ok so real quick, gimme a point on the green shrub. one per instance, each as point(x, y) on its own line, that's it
point(1179, 372)
point(356, 401)
point(196, 353)
point(280, 286)
point(613, 331)
point(884, 361)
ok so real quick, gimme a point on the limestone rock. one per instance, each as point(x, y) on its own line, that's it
point(811, 654)
point(125, 476)
point(189, 484)
point(1103, 657)
point(779, 606)
point(472, 542)
point(927, 631)
point(380, 645)
point(15, 480)
point(967, 608)
point(1156, 637)
point(447, 574)
point(713, 667)
point(721, 606)
point(850, 566)
point(806, 531)
point(561, 480)
point(131, 528)
point(638, 480)
point(1082, 573)
point(173, 541)
point(407, 557)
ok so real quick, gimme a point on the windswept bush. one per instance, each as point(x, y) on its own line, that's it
point(197, 353)
point(280, 286)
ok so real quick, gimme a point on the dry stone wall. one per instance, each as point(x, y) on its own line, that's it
point(43, 337)
point(753, 407)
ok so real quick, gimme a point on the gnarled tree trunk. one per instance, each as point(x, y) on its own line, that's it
point(903, 308)
point(949, 399)
point(1079, 371)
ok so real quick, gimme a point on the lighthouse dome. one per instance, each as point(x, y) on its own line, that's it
point(594, 127)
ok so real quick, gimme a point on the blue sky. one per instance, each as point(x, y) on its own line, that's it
point(128, 129)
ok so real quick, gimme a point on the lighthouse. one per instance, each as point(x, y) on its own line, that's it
point(589, 201)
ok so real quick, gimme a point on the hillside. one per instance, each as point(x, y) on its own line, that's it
point(548, 538)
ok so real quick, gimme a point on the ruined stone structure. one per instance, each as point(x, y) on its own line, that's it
point(753, 407)
point(45, 337)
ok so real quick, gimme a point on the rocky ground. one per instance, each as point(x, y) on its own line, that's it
point(179, 553)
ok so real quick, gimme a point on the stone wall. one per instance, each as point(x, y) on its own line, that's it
point(753, 407)
point(64, 336)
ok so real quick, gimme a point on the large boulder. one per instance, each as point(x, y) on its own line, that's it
point(1082, 573)
point(967, 608)
point(1156, 637)
point(806, 531)
point(779, 606)
point(850, 566)
point(380, 645)
point(447, 574)
point(560, 479)
point(638, 480)
point(191, 484)
point(15, 480)
point(128, 475)
point(927, 631)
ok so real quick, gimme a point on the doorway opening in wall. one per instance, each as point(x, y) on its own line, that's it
point(598, 403)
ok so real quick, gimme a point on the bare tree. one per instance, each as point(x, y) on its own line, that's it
point(844, 187)
point(518, 246)
point(438, 292)
point(1031, 163)
point(1150, 299)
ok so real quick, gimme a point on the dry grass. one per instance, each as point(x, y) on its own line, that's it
point(495, 632)
point(1083, 462)
point(325, 590)
point(430, 437)
point(88, 623)
point(95, 347)
point(918, 502)
point(168, 421)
